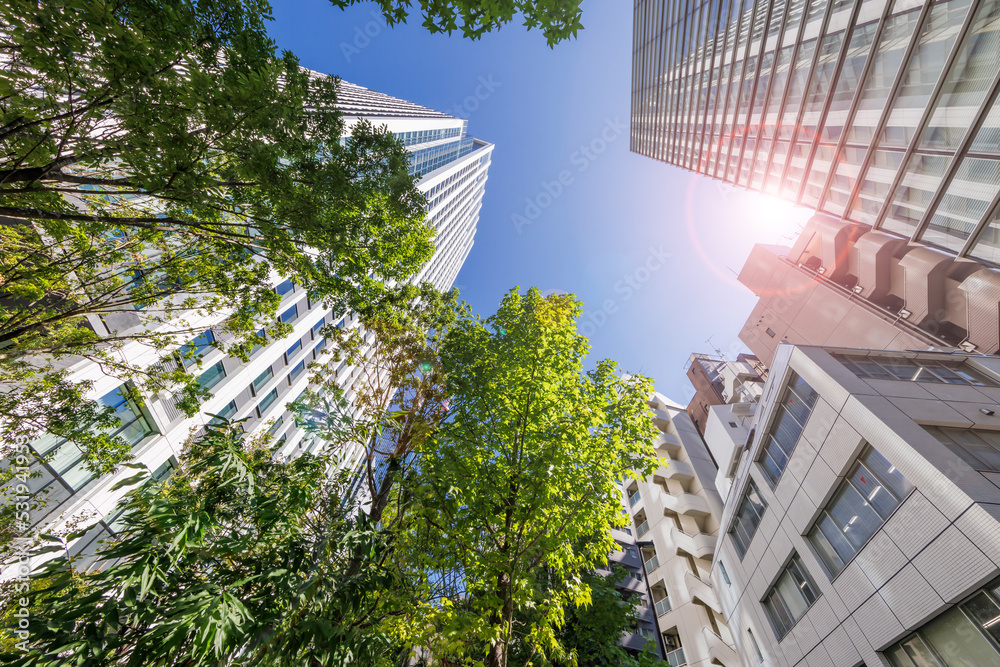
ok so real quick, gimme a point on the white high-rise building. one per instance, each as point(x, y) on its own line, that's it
point(453, 171)
point(676, 514)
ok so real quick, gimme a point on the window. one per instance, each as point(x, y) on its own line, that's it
point(756, 649)
point(290, 315)
point(212, 376)
point(165, 470)
point(295, 372)
point(226, 413)
point(747, 518)
point(191, 351)
point(263, 337)
point(317, 327)
point(261, 380)
point(790, 597)
point(276, 425)
point(66, 459)
point(914, 370)
point(725, 575)
point(292, 351)
point(267, 402)
point(319, 348)
point(786, 427)
point(872, 490)
point(284, 288)
point(960, 636)
point(979, 448)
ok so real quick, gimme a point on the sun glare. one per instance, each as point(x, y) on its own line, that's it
point(774, 219)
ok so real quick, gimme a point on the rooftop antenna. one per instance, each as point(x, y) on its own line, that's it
point(716, 349)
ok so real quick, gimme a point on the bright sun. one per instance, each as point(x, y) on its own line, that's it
point(774, 217)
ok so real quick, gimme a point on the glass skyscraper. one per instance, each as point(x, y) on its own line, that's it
point(879, 112)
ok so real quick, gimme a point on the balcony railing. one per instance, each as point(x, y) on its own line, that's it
point(633, 499)
point(662, 606)
point(676, 657)
point(642, 528)
point(651, 564)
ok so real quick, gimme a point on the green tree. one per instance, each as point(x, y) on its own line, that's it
point(398, 394)
point(237, 559)
point(161, 165)
point(557, 19)
point(592, 633)
point(523, 476)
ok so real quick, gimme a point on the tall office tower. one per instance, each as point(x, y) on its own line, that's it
point(453, 171)
point(676, 514)
point(882, 115)
point(863, 524)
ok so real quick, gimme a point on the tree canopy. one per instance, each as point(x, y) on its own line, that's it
point(164, 167)
point(492, 479)
point(238, 558)
point(524, 474)
point(557, 19)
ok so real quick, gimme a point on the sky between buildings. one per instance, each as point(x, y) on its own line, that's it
point(652, 250)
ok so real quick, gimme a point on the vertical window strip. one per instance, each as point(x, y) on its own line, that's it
point(790, 598)
point(869, 494)
point(786, 427)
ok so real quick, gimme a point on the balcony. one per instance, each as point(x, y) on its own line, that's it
point(679, 470)
point(651, 564)
point(669, 443)
point(642, 528)
point(702, 590)
point(636, 640)
point(684, 503)
point(719, 651)
point(662, 606)
point(699, 545)
point(633, 499)
point(676, 657)
point(632, 584)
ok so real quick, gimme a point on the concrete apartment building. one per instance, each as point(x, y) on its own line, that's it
point(863, 524)
point(453, 169)
point(634, 584)
point(676, 514)
point(717, 381)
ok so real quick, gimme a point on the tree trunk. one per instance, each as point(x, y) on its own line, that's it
point(497, 656)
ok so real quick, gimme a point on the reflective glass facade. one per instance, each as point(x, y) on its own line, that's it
point(880, 112)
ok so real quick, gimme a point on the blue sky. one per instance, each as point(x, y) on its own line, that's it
point(652, 250)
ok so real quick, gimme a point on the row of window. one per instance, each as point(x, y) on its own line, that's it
point(792, 412)
point(426, 160)
point(190, 352)
point(711, 107)
point(960, 636)
point(65, 460)
point(423, 136)
point(913, 370)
